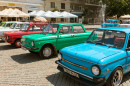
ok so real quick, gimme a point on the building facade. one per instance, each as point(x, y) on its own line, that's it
point(23, 5)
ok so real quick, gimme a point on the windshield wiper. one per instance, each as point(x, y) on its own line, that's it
point(89, 41)
point(101, 43)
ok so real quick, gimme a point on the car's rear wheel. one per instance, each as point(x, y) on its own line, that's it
point(115, 78)
point(46, 52)
point(18, 43)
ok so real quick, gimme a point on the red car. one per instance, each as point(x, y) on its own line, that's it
point(14, 37)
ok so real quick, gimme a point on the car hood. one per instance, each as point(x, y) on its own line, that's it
point(38, 37)
point(90, 52)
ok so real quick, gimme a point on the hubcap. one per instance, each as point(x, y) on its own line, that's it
point(18, 43)
point(117, 78)
point(47, 52)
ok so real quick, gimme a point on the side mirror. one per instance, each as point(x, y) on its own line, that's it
point(128, 49)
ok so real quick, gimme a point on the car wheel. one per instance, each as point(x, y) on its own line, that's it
point(18, 43)
point(46, 52)
point(115, 78)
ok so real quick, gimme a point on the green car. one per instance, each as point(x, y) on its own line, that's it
point(55, 37)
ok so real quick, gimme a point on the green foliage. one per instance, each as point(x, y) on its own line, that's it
point(85, 12)
point(117, 7)
point(56, 9)
point(85, 21)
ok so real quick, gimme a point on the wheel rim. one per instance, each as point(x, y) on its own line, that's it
point(117, 78)
point(47, 52)
point(18, 43)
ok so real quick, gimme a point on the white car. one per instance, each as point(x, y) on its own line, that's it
point(14, 27)
point(6, 25)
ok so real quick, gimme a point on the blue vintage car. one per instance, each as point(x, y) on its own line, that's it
point(102, 59)
point(110, 23)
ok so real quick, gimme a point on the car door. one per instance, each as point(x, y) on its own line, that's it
point(65, 37)
point(127, 66)
point(80, 35)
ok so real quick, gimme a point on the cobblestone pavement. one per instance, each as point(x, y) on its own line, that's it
point(21, 68)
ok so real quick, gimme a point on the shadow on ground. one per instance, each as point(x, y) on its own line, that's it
point(27, 58)
point(60, 79)
point(7, 47)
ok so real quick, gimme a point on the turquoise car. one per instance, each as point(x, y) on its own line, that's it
point(110, 23)
point(99, 61)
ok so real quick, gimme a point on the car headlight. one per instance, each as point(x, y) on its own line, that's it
point(96, 70)
point(32, 43)
point(59, 56)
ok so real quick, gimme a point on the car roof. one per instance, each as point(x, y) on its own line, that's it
point(67, 23)
point(112, 20)
point(124, 29)
point(11, 21)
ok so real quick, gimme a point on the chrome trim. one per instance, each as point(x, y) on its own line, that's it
point(73, 70)
point(73, 63)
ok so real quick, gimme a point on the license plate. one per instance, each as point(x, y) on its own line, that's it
point(71, 73)
point(23, 48)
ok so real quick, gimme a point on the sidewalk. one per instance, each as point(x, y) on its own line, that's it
point(91, 27)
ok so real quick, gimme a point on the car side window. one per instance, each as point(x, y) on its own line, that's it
point(43, 26)
point(34, 28)
point(19, 26)
point(128, 44)
point(78, 29)
point(66, 30)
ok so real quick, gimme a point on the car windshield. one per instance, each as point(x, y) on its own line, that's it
point(13, 25)
point(108, 38)
point(24, 27)
point(51, 29)
point(4, 25)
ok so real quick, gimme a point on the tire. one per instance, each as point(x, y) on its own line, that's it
point(46, 52)
point(17, 43)
point(118, 74)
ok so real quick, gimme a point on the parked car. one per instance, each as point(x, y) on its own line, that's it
point(125, 23)
point(110, 23)
point(98, 61)
point(14, 27)
point(7, 24)
point(14, 37)
point(54, 37)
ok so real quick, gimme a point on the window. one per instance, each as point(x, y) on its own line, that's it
point(19, 26)
point(88, 1)
point(71, 7)
point(62, 5)
point(78, 29)
point(52, 4)
point(43, 26)
point(66, 30)
point(80, 8)
point(35, 28)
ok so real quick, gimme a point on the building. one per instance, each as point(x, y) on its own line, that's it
point(23, 5)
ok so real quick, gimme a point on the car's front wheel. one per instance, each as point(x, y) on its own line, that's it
point(115, 78)
point(18, 43)
point(46, 52)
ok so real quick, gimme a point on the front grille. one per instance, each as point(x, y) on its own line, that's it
point(73, 63)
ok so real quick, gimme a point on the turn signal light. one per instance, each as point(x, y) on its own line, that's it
point(85, 68)
point(63, 59)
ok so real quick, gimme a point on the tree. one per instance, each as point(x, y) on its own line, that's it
point(85, 12)
point(117, 7)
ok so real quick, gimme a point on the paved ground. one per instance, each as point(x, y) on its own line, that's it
point(21, 68)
